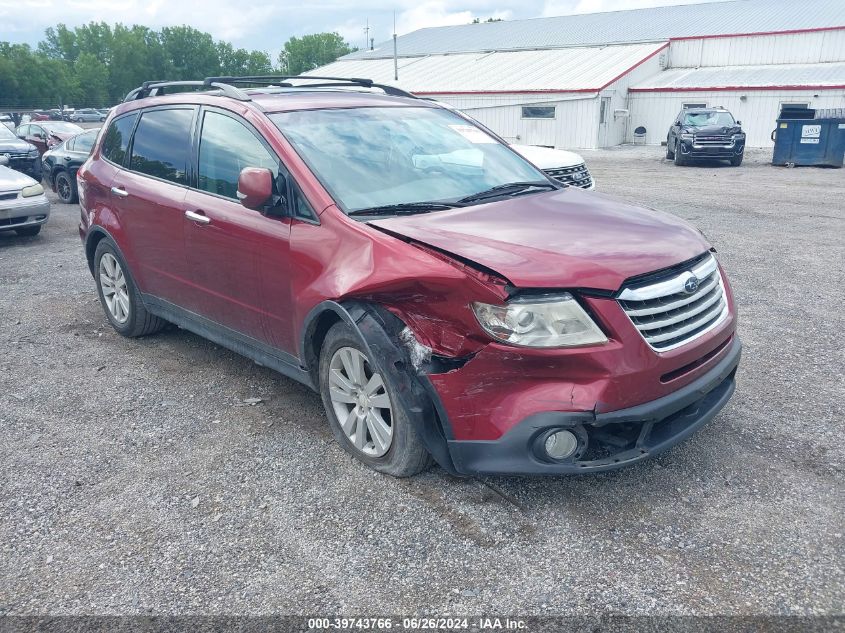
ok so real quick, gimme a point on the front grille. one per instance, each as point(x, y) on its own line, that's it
point(667, 315)
point(718, 139)
point(575, 176)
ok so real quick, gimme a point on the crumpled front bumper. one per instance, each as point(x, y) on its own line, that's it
point(614, 439)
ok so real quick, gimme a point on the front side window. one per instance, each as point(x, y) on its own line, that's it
point(226, 147)
point(372, 157)
point(161, 146)
point(116, 140)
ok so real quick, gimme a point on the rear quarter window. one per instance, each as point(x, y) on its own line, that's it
point(116, 140)
point(162, 144)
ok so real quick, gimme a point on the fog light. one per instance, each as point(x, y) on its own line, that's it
point(561, 444)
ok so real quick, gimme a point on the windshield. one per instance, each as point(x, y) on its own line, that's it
point(62, 128)
point(705, 119)
point(6, 133)
point(375, 157)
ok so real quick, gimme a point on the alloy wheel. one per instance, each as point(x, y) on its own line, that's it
point(360, 402)
point(114, 287)
point(63, 188)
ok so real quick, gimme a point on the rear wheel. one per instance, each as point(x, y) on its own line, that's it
point(669, 153)
point(679, 155)
point(119, 295)
point(65, 188)
point(365, 417)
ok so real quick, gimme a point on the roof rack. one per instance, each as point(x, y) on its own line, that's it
point(227, 85)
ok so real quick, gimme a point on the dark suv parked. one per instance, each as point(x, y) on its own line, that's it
point(22, 156)
point(705, 133)
point(445, 298)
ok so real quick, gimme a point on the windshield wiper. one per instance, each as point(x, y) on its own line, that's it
point(406, 208)
point(508, 189)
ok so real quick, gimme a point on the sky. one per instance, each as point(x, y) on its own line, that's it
point(267, 24)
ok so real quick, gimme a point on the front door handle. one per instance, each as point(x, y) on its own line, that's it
point(120, 192)
point(197, 217)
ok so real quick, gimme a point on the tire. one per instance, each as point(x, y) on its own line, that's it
point(66, 188)
point(29, 231)
point(736, 161)
point(679, 156)
point(130, 318)
point(670, 155)
point(404, 455)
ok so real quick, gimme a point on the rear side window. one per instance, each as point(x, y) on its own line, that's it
point(117, 138)
point(84, 142)
point(162, 144)
point(226, 147)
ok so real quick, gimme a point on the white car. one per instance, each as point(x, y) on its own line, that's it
point(564, 166)
point(23, 206)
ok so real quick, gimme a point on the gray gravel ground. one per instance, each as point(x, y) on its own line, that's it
point(134, 480)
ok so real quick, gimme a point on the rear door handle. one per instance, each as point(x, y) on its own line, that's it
point(200, 218)
point(118, 191)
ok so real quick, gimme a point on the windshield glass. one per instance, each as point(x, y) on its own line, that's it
point(62, 127)
point(373, 157)
point(704, 119)
point(6, 133)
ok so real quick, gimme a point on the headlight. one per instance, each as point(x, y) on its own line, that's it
point(557, 321)
point(33, 154)
point(32, 190)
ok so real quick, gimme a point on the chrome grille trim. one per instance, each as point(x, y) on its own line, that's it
point(667, 317)
point(575, 176)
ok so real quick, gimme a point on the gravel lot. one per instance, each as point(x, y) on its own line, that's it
point(136, 481)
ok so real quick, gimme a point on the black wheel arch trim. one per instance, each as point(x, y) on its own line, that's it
point(379, 331)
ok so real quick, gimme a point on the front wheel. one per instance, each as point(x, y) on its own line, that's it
point(119, 295)
point(679, 155)
point(366, 418)
point(736, 161)
point(29, 231)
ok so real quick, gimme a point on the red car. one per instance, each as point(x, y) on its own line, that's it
point(47, 134)
point(446, 299)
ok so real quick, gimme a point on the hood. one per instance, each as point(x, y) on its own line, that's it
point(547, 158)
point(11, 180)
point(15, 145)
point(560, 239)
point(714, 130)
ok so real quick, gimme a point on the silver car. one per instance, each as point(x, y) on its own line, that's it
point(86, 115)
point(23, 206)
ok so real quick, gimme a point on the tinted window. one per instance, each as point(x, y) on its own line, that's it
point(162, 144)
point(301, 208)
point(117, 138)
point(538, 112)
point(226, 147)
point(84, 142)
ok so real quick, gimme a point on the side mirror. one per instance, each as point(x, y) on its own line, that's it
point(739, 122)
point(255, 187)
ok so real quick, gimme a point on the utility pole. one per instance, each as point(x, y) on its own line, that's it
point(367, 34)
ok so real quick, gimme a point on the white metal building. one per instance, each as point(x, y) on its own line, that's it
point(589, 81)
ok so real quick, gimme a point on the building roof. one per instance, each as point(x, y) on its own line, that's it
point(641, 25)
point(584, 69)
point(770, 77)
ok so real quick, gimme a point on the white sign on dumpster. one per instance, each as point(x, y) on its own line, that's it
point(810, 134)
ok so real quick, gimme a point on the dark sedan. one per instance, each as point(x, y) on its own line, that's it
point(60, 164)
point(47, 134)
point(22, 156)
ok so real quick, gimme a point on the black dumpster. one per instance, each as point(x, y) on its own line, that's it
point(805, 136)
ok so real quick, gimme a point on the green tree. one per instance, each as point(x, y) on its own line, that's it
point(305, 53)
point(190, 54)
point(92, 76)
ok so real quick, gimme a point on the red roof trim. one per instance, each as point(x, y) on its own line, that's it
point(737, 88)
point(759, 33)
point(546, 90)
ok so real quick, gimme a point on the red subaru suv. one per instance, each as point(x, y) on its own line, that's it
point(447, 300)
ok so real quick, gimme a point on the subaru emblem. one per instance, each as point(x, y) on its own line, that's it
point(691, 284)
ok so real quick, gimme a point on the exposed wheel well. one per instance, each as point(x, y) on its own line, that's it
point(314, 337)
